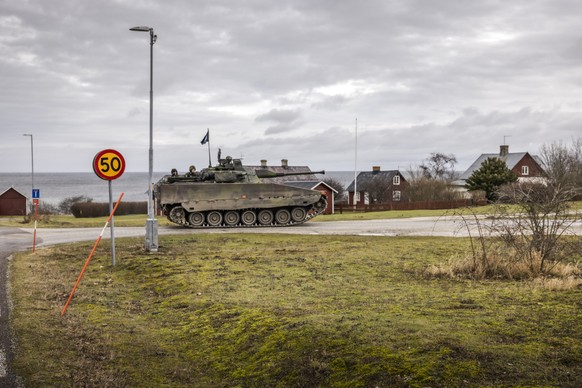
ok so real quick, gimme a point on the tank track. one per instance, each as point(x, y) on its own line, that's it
point(315, 210)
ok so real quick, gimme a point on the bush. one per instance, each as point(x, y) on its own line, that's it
point(45, 211)
point(66, 204)
point(426, 189)
point(101, 209)
point(532, 238)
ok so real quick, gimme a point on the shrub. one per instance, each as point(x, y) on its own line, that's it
point(426, 189)
point(66, 204)
point(532, 238)
point(101, 209)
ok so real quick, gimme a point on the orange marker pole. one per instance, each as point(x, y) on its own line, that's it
point(90, 256)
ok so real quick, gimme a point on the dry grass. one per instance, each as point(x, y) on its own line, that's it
point(559, 284)
point(502, 264)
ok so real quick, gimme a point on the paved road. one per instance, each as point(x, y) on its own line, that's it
point(425, 226)
point(421, 226)
point(13, 239)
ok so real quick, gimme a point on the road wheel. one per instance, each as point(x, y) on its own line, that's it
point(298, 214)
point(283, 216)
point(196, 218)
point(248, 217)
point(231, 218)
point(177, 215)
point(265, 217)
point(214, 218)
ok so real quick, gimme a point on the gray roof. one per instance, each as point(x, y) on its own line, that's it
point(511, 160)
point(365, 177)
point(308, 184)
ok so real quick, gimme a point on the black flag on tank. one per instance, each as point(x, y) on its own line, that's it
point(206, 137)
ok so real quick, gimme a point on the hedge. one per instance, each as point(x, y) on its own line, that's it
point(101, 209)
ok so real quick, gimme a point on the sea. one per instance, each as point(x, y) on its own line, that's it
point(55, 187)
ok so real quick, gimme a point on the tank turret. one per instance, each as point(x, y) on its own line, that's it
point(262, 174)
point(232, 195)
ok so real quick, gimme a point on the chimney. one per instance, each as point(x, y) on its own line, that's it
point(263, 162)
point(376, 168)
point(503, 150)
point(284, 163)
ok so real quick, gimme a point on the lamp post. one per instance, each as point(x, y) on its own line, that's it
point(34, 200)
point(151, 242)
point(31, 156)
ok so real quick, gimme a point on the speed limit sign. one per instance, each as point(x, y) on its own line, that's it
point(109, 164)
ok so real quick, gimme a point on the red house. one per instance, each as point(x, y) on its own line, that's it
point(12, 203)
point(391, 182)
point(523, 164)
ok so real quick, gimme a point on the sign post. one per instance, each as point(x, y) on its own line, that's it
point(35, 201)
point(109, 164)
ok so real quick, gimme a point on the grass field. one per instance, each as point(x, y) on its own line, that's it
point(270, 310)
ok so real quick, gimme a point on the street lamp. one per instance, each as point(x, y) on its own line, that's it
point(31, 156)
point(34, 200)
point(151, 242)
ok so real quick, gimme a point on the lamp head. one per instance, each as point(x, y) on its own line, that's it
point(140, 28)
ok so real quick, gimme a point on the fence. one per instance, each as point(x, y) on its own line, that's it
point(419, 205)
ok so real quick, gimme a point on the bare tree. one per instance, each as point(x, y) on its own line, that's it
point(430, 181)
point(530, 238)
point(539, 232)
point(338, 186)
point(440, 166)
point(563, 164)
point(378, 189)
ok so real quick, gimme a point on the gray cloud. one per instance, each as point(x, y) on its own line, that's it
point(280, 116)
point(286, 120)
point(420, 76)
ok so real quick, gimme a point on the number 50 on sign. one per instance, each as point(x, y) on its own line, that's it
point(109, 164)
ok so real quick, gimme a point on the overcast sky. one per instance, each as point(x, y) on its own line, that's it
point(286, 79)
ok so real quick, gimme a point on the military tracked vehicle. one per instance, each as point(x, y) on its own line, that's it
point(231, 195)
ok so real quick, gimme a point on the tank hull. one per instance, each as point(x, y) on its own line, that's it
point(235, 196)
point(204, 205)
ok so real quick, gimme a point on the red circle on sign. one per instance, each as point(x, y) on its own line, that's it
point(109, 164)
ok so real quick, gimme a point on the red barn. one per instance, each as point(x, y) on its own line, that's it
point(12, 203)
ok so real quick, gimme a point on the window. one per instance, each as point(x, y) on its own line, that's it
point(524, 170)
point(396, 195)
point(396, 180)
